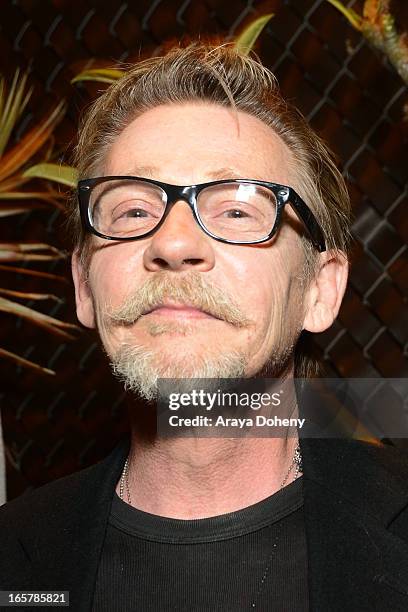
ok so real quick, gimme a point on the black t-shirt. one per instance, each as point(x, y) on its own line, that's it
point(253, 558)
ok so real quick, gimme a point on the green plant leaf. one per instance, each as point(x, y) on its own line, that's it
point(20, 154)
point(248, 37)
point(353, 17)
point(101, 75)
point(65, 175)
point(12, 107)
point(15, 199)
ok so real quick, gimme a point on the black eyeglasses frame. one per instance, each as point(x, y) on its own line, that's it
point(188, 193)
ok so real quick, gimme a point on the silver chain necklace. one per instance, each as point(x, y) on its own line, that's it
point(295, 466)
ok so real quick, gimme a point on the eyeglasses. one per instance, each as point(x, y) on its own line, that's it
point(239, 211)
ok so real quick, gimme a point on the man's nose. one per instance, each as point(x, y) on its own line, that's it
point(180, 243)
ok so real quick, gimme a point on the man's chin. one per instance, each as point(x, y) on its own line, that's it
point(139, 368)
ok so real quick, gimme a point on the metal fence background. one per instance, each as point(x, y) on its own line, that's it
point(56, 425)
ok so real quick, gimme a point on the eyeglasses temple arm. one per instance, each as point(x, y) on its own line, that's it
point(309, 220)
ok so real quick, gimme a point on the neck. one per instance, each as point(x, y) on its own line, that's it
point(198, 477)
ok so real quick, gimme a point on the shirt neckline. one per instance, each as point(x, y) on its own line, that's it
point(156, 528)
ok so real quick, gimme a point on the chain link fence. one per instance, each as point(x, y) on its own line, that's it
point(352, 97)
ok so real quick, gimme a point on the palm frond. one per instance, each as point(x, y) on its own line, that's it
point(12, 107)
point(15, 199)
point(19, 208)
point(52, 325)
point(25, 362)
point(378, 26)
point(353, 17)
point(51, 197)
point(59, 173)
point(19, 155)
point(17, 180)
point(27, 272)
point(246, 40)
point(30, 296)
point(101, 75)
point(13, 251)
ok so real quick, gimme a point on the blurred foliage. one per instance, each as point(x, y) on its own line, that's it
point(16, 199)
point(59, 173)
point(377, 24)
point(244, 43)
point(67, 175)
point(102, 75)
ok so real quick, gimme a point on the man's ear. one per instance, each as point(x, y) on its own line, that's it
point(326, 291)
point(83, 295)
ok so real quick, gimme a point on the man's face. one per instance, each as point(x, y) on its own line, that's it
point(252, 295)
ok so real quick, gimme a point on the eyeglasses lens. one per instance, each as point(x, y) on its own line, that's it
point(232, 211)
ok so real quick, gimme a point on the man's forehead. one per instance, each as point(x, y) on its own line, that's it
point(195, 143)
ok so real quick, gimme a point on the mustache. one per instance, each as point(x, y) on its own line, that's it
point(192, 289)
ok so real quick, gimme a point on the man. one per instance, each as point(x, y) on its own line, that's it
point(211, 235)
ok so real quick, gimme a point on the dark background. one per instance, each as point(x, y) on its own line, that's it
point(352, 97)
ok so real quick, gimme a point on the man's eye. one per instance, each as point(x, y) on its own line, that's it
point(235, 213)
point(135, 212)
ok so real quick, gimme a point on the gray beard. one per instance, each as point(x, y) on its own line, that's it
point(139, 369)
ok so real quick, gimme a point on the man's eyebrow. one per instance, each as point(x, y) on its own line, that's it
point(143, 171)
point(230, 173)
point(225, 173)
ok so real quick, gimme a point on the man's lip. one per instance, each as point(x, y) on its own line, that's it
point(177, 311)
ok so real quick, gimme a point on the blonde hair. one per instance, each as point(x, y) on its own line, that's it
point(221, 75)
